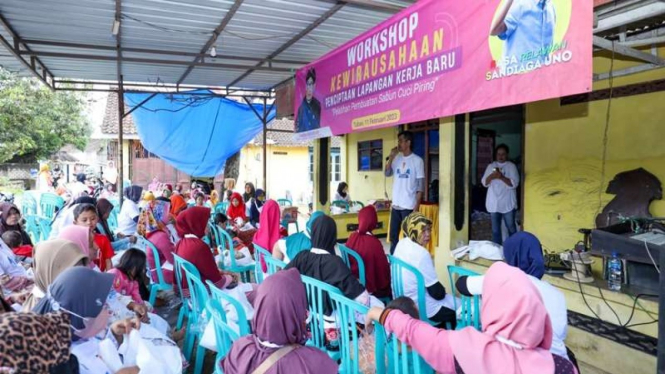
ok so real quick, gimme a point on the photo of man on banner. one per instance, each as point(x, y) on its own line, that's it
point(309, 113)
point(525, 26)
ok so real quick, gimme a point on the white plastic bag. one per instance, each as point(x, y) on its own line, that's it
point(209, 339)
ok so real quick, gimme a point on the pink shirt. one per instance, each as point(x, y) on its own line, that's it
point(124, 286)
point(431, 343)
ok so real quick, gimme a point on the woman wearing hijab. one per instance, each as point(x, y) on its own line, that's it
point(82, 294)
point(280, 314)
point(268, 232)
point(165, 249)
point(289, 248)
point(516, 335)
point(118, 242)
point(255, 206)
point(51, 258)
point(321, 263)
point(214, 199)
point(411, 249)
point(191, 226)
point(522, 250)
point(36, 344)
point(370, 249)
point(250, 192)
point(129, 213)
point(178, 204)
point(80, 236)
point(236, 210)
point(342, 193)
point(10, 220)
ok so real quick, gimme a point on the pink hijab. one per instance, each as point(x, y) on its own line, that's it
point(268, 233)
point(80, 236)
point(521, 322)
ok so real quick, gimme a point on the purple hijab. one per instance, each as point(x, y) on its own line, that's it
point(280, 311)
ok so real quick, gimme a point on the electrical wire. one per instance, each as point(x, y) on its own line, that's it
point(646, 246)
point(606, 135)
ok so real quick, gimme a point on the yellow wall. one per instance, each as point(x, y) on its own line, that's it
point(368, 185)
point(285, 172)
point(564, 151)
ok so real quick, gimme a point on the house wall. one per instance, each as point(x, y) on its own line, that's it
point(368, 185)
point(288, 171)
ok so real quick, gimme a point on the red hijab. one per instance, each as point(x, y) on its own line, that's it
point(377, 268)
point(177, 204)
point(269, 225)
point(191, 226)
point(237, 211)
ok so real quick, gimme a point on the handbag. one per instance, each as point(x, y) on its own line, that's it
point(273, 358)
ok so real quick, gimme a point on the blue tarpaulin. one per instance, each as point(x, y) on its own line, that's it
point(195, 131)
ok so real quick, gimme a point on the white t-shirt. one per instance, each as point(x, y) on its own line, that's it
point(501, 198)
point(555, 303)
point(128, 212)
point(406, 172)
point(416, 256)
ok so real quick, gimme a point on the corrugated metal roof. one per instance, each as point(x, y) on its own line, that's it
point(257, 30)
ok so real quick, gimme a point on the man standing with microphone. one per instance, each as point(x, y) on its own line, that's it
point(408, 185)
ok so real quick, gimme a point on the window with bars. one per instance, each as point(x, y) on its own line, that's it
point(112, 150)
point(370, 155)
point(141, 152)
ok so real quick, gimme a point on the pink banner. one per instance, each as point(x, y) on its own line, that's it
point(439, 58)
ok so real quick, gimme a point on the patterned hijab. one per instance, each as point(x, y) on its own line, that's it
point(34, 343)
point(414, 224)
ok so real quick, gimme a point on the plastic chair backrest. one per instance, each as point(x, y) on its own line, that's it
point(221, 207)
point(44, 225)
point(32, 227)
point(317, 300)
point(397, 269)
point(470, 313)
point(349, 255)
point(341, 204)
point(179, 268)
point(272, 263)
point(359, 203)
point(48, 203)
point(28, 204)
point(345, 312)
point(224, 334)
point(158, 263)
point(198, 296)
point(400, 357)
point(226, 243)
point(284, 202)
point(221, 297)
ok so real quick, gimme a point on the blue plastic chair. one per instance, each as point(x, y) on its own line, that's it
point(341, 204)
point(221, 207)
point(44, 225)
point(49, 203)
point(272, 263)
point(470, 313)
point(32, 227)
point(199, 299)
point(222, 297)
point(397, 269)
point(224, 334)
point(346, 254)
point(284, 202)
point(346, 311)
point(161, 284)
point(225, 242)
point(317, 299)
point(113, 217)
point(28, 204)
point(401, 359)
point(185, 310)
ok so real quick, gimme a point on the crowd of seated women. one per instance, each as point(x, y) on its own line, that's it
point(80, 292)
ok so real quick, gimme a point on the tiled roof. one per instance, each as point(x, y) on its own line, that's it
point(110, 123)
point(285, 139)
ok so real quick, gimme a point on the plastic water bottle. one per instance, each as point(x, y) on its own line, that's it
point(614, 272)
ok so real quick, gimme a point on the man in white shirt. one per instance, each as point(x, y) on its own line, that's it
point(408, 184)
point(501, 179)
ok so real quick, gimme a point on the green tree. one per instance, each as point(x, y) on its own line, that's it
point(36, 122)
